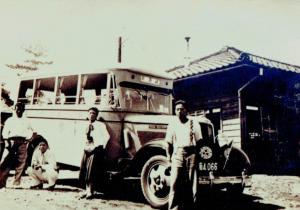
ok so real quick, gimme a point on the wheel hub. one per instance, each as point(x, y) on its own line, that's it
point(158, 179)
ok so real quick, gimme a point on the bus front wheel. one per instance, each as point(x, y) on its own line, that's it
point(155, 178)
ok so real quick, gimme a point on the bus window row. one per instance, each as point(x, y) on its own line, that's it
point(74, 89)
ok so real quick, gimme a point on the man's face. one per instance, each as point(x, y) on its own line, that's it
point(92, 115)
point(43, 147)
point(180, 111)
point(19, 111)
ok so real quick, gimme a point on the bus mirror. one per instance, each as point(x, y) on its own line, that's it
point(127, 95)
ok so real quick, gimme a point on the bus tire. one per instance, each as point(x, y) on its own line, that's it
point(155, 178)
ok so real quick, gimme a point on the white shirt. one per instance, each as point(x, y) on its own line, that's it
point(179, 134)
point(15, 126)
point(100, 134)
point(45, 159)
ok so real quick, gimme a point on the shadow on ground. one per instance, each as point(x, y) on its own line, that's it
point(118, 190)
point(217, 200)
point(224, 200)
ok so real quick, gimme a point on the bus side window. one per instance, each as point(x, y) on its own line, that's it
point(89, 96)
point(91, 86)
point(109, 97)
point(67, 89)
point(104, 98)
point(26, 91)
point(44, 91)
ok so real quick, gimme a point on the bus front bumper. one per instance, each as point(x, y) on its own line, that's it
point(243, 180)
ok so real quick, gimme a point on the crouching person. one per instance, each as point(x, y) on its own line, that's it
point(43, 167)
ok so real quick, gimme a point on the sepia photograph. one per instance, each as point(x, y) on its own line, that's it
point(143, 105)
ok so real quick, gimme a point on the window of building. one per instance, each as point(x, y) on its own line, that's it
point(214, 115)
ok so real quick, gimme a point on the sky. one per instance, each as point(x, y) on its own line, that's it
point(83, 34)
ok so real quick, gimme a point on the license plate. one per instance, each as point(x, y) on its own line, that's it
point(208, 166)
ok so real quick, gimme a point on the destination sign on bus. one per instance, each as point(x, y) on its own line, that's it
point(150, 80)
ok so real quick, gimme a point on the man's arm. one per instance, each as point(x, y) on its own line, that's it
point(50, 161)
point(169, 151)
point(100, 135)
point(34, 161)
point(31, 133)
point(169, 143)
point(6, 129)
point(105, 135)
point(197, 132)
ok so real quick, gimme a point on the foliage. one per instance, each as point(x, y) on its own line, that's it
point(34, 63)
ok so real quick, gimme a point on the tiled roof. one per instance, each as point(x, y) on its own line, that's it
point(225, 58)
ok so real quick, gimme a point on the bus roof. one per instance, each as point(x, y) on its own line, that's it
point(50, 73)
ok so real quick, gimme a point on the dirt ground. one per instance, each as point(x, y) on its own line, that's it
point(266, 192)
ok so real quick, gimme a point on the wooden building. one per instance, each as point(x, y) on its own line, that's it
point(255, 101)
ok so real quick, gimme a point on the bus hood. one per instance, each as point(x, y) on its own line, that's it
point(160, 119)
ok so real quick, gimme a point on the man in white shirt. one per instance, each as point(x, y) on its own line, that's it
point(182, 135)
point(43, 167)
point(92, 167)
point(18, 130)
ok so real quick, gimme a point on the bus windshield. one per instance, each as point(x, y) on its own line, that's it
point(145, 98)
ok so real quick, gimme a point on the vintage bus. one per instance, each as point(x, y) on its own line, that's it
point(129, 103)
point(134, 105)
point(136, 108)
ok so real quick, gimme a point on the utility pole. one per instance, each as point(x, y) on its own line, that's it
point(187, 57)
point(187, 39)
point(120, 50)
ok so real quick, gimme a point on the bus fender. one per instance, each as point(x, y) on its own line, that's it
point(148, 150)
point(238, 161)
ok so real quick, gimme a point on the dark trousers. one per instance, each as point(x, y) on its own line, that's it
point(16, 159)
point(92, 170)
point(2, 147)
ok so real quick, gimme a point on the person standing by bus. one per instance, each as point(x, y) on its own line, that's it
point(181, 138)
point(5, 112)
point(18, 129)
point(92, 164)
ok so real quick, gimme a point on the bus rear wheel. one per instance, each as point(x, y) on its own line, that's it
point(155, 178)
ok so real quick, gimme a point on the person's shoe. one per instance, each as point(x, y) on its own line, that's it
point(16, 185)
point(51, 188)
point(36, 187)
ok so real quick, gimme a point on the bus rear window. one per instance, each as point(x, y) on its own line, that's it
point(26, 91)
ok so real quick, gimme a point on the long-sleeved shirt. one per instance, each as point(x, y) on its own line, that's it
point(15, 126)
point(45, 159)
